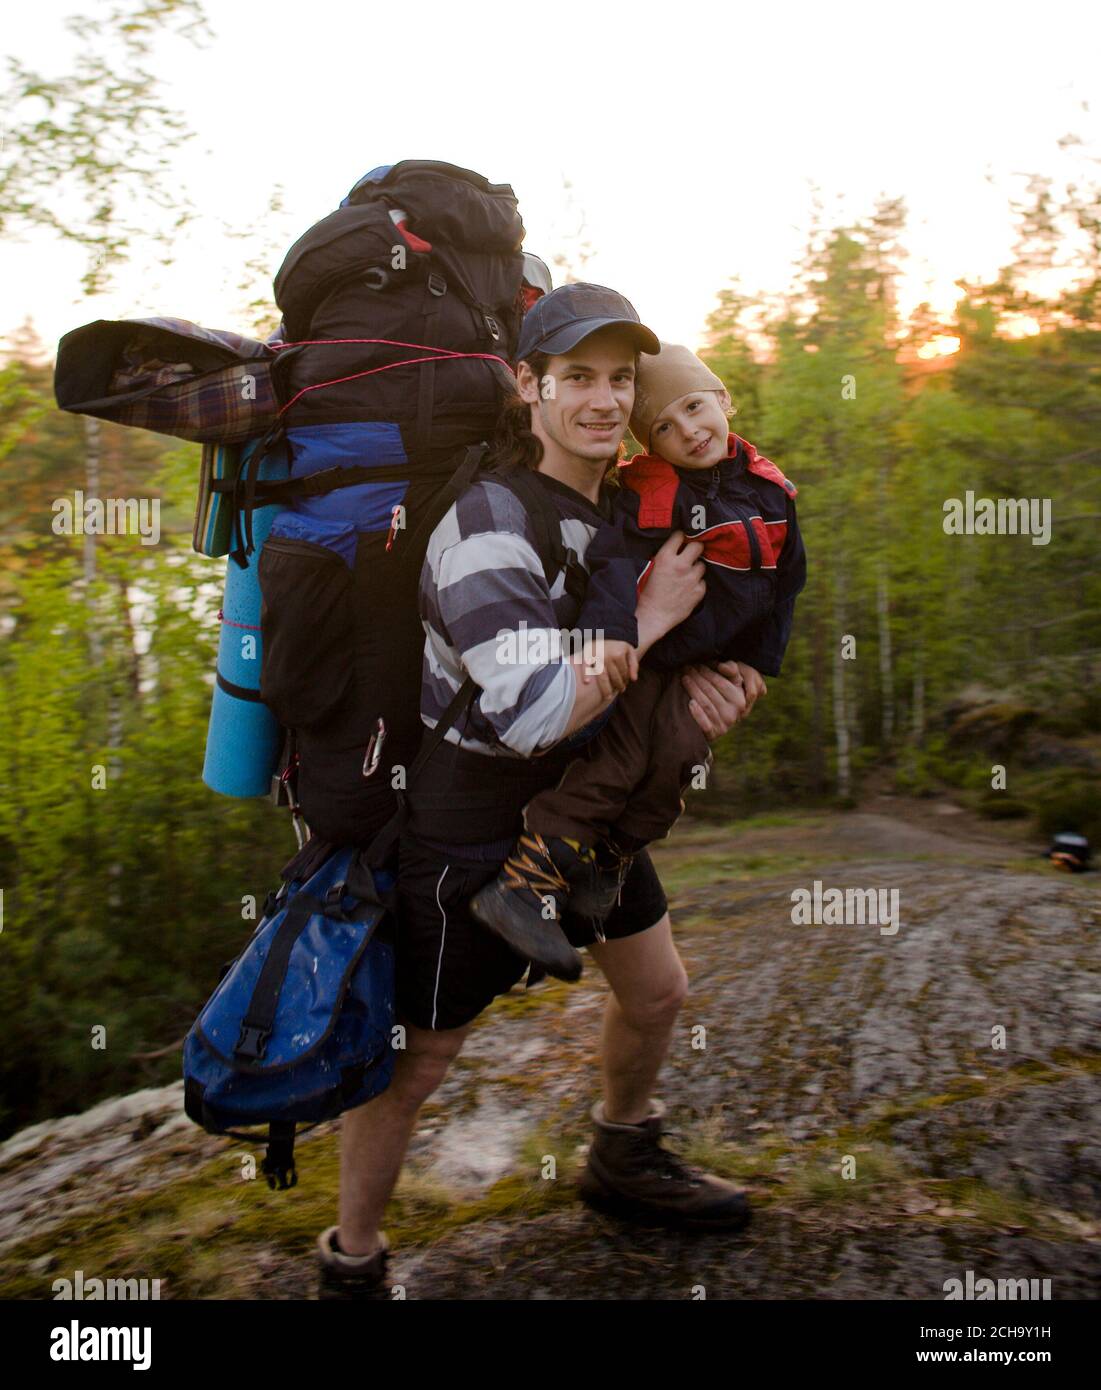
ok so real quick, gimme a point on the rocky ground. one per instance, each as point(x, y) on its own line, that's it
point(902, 1107)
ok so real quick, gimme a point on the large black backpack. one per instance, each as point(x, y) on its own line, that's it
point(422, 255)
point(382, 437)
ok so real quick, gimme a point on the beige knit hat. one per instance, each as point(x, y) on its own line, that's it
point(663, 379)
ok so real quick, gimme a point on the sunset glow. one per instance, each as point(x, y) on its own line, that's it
point(942, 346)
point(1019, 326)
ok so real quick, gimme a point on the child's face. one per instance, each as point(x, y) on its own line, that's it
point(692, 431)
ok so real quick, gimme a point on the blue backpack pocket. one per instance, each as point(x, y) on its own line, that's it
point(299, 1028)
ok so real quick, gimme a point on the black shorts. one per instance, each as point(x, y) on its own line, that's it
point(449, 967)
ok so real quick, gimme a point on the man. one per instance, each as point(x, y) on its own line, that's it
point(576, 368)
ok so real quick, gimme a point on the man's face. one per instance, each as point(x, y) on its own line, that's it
point(692, 432)
point(585, 398)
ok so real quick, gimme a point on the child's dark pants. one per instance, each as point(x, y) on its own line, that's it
point(632, 774)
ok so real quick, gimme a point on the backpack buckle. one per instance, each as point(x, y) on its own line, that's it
point(492, 325)
point(335, 895)
point(253, 1042)
point(577, 576)
point(437, 285)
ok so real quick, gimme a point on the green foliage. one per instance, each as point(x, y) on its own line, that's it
point(877, 439)
point(731, 357)
point(22, 404)
point(120, 901)
point(42, 460)
point(1068, 800)
point(101, 137)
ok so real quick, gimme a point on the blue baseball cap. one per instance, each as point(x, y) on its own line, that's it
point(558, 322)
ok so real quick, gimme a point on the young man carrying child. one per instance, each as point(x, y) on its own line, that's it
point(483, 573)
point(581, 835)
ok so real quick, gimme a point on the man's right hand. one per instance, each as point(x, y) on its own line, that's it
point(675, 587)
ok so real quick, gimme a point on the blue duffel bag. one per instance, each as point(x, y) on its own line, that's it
point(300, 1027)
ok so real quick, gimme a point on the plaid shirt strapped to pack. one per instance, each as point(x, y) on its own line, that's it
point(170, 376)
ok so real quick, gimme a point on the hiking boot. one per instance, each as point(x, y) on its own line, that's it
point(351, 1276)
point(514, 904)
point(629, 1174)
point(595, 887)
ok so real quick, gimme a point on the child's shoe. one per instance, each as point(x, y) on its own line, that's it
point(593, 894)
point(514, 904)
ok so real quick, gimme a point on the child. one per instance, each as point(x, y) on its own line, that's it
point(625, 789)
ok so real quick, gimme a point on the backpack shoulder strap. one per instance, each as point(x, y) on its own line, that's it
point(553, 554)
point(430, 515)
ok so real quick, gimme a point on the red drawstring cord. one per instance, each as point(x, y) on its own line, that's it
point(442, 355)
point(407, 362)
point(252, 627)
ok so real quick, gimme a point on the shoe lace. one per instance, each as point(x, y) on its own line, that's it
point(622, 869)
point(670, 1164)
point(616, 862)
point(530, 866)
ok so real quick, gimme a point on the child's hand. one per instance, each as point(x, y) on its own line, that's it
point(613, 665)
point(753, 683)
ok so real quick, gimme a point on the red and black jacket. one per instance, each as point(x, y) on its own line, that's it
point(743, 511)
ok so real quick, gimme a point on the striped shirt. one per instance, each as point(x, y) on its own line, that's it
point(487, 612)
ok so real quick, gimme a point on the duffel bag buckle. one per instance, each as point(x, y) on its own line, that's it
point(253, 1042)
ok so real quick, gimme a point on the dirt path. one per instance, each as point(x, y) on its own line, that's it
point(903, 1106)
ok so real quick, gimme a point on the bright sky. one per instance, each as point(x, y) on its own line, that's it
point(692, 134)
